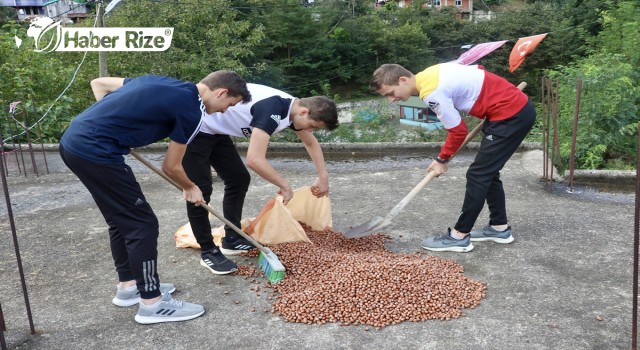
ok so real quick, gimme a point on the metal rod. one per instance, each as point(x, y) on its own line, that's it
point(554, 116)
point(29, 144)
point(7, 112)
point(556, 102)
point(574, 134)
point(19, 147)
point(12, 224)
point(545, 131)
point(4, 154)
point(636, 243)
point(44, 154)
point(3, 328)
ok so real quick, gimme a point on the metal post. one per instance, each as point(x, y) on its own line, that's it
point(3, 328)
point(12, 224)
point(543, 105)
point(574, 135)
point(554, 114)
point(555, 111)
point(636, 243)
point(29, 144)
point(102, 55)
point(44, 154)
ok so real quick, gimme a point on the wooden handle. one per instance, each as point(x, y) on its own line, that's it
point(430, 175)
point(144, 161)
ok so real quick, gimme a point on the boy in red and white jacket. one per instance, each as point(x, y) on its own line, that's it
point(447, 89)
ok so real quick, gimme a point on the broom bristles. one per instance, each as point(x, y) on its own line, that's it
point(272, 267)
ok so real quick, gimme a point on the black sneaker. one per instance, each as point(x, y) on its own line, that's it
point(238, 246)
point(216, 262)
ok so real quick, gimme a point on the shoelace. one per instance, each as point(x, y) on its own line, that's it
point(175, 302)
point(442, 237)
point(215, 259)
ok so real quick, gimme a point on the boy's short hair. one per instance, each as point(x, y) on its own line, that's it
point(230, 80)
point(322, 109)
point(388, 74)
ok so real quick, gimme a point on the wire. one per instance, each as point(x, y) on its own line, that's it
point(69, 10)
point(73, 78)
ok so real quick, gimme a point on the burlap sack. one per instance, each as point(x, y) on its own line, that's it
point(185, 239)
point(311, 210)
point(276, 223)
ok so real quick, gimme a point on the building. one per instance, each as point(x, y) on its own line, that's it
point(415, 112)
point(465, 8)
point(65, 10)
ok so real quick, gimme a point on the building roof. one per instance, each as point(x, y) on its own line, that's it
point(413, 101)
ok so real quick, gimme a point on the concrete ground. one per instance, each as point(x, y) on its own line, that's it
point(565, 283)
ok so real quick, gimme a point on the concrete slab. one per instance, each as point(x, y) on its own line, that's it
point(565, 283)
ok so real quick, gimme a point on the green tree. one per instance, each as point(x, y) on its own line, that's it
point(611, 92)
point(36, 79)
point(608, 110)
point(207, 36)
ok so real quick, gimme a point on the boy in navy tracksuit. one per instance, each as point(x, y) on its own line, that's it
point(133, 113)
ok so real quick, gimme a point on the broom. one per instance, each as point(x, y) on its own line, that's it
point(268, 261)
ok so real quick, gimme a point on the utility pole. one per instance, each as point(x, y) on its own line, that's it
point(102, 55)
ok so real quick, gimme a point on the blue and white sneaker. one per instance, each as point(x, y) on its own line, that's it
point(446, 243)
point(488, 233)
point(131, 296)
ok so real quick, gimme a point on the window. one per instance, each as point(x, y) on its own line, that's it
point(458, 3)
point(437, 3)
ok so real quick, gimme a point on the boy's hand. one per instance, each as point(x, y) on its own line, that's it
point(438, 168)
point(286, 193)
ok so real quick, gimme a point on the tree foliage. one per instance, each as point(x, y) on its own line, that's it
point(331, 47)
point(608, 119)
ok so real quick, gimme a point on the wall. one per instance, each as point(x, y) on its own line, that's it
point(347, 110)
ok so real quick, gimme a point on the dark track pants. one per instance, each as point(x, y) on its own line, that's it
point(217, 151)
point(502, 139)
point(133, 227)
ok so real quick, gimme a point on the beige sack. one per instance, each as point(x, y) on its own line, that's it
point(185, 239)
point(311, 210)
point(277, 224)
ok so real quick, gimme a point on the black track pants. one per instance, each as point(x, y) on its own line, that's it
point(502, 139)
point(133, 227)
point(217, 151)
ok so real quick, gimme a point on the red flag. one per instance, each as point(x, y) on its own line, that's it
point(522, 48)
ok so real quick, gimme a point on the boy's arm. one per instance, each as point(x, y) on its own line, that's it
point(105, 85)
point(321, 186)
point(257, 161)
point(172, 166)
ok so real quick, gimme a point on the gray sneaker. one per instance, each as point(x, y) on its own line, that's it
point(487, 233)
point(126, 298)
point(446, 243)
point(168, 310)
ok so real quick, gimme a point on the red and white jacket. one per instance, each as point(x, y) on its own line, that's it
point(448, 88)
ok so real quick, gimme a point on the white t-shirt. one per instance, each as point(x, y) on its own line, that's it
point(268, 110)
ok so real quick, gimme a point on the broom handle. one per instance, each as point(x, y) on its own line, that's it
point(430, 175)
point(205, 205)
